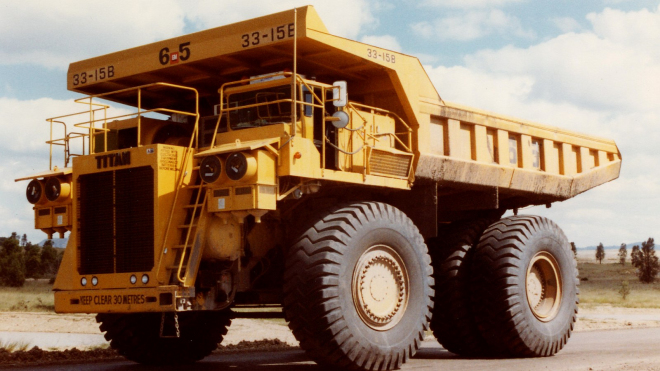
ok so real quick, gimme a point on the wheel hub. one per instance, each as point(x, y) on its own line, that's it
point(380, 287)
point(543, 286)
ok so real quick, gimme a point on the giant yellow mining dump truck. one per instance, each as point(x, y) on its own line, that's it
point(269, 168)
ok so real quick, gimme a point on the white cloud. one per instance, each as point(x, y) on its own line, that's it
point(383, 41)
point(638, 30)
point(604, 81)
point(473, 25)
point(342, 17)
point(424, 29)
point(54, 34)
point(566, 24)
point(427, 58)
point(582, 68)
point(468, 3)
point(13, 221)
point(457, 84)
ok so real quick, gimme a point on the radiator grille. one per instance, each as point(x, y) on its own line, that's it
point(389, 164)
point(96, 227)
point(116, 221)
point(134, 205)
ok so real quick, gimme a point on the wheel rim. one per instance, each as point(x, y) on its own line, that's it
point(380, 287)
point(543, 285)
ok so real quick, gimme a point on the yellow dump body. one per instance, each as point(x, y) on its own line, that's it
point(453, 145)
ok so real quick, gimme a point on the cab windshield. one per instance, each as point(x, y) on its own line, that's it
point(263, 107)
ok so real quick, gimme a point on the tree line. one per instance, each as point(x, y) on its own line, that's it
point(20, 259)
point(643, 258)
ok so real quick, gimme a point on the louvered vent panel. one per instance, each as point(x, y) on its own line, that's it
point(389, 164)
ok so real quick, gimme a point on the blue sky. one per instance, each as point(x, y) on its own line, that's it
point(591, 66)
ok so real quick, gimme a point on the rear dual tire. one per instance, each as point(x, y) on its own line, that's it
point(524, 287)
point(453, 323)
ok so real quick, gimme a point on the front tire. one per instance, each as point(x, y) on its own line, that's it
point(136, 336)
point(525, 287)
point(358, 288)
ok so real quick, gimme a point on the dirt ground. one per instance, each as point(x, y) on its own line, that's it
point(249, 334)
point(589, 318)
point(241, 329)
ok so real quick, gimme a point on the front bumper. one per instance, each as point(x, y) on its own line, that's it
point(154, 299)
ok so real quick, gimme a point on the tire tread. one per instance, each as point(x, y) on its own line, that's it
point(500, 317)
point(311, 289)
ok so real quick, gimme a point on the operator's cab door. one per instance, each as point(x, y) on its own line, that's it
point(330, 131)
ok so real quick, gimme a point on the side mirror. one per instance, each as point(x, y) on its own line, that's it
point(339, 94)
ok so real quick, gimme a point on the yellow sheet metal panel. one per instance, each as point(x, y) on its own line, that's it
point(527, 153)
point(494, 120)
point(165, 162)
point(62, 216)
point(49, 173)
point(382, 78)
point(503, 148)
point(439, 136)
point(43, 218)
point(172, 53)
point(482, 153)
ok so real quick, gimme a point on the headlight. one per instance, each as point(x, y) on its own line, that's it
point(133, 279)
point(240, 165)
point(95, 281)
point(35, 192)
point(57, 190)
point(210, 169)
point(145, 279)
point(83, 281)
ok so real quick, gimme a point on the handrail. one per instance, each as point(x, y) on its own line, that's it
point(94, 108)
point(225, 109)
point(409, 130)
point(200, 190)
point(70, 136)
point(257, 104)
point(53, 141)
point(365, 133)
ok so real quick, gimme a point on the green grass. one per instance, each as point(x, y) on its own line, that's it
point(34, 296)
point(600, 284)
point(13, 346)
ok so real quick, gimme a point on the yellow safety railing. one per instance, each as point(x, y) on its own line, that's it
point(395, 135)
point(404, 138)
point(90, 126)
point(65, 141)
